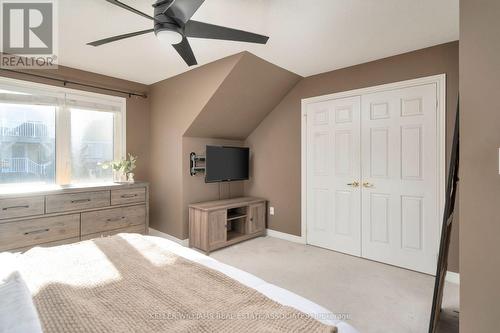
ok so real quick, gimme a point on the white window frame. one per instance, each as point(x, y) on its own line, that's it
point(63, 120)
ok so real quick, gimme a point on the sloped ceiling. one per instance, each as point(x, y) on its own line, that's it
point(247, 95)
point(179, 100)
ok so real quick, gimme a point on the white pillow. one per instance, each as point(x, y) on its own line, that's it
point(17, 311)
point(7, 265)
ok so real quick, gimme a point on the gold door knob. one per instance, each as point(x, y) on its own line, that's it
point(368, 185)
point(353, 184)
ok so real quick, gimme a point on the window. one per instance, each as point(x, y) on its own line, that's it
point(91, 144)
point(52, 135)
point(27, 139)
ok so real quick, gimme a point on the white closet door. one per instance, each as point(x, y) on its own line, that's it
point(399, 166)
point(333, 168)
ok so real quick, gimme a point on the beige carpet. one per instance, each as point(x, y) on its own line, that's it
point(378, 297)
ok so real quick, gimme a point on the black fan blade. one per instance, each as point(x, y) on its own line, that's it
point(185, 51)
point(115, 38)
point(183, 10)
point(204, 30)
point(127, 7)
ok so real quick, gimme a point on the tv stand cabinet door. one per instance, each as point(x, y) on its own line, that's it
point(257, 218)
point(217, 228)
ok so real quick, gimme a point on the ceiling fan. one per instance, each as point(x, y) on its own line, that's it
point(173, 24)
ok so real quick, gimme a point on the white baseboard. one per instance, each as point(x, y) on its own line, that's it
point(270, 233)
point(156, 233)
point(285, 236)
point(453, 277)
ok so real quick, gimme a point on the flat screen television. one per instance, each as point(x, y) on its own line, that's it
point(224, 164)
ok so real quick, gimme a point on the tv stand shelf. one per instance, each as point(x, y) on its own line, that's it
point(217, 224)
point(236, 217)
point(231, 235)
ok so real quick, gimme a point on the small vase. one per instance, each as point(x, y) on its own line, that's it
point(123, 177)
point(130, 178)
point(119, 177)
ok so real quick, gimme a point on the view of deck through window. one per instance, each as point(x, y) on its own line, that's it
point(27, 143)
point(54, 135)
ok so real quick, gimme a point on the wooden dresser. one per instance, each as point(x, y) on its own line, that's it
point(217, 224)
point(70, 214)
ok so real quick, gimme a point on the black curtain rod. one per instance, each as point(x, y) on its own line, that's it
point(65, 82)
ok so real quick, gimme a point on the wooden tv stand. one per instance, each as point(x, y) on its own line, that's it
point(217, 224)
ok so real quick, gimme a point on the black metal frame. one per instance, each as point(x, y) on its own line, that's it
point(194, 168)
point(451, 194)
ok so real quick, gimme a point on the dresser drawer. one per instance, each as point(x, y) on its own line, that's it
point(77, 201)
point(128, 195)
point(137, 229)
point(115, 218)
point(50, 244)
point(25, 233)
point(20, 207)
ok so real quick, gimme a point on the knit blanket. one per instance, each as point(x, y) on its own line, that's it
point(126, 283)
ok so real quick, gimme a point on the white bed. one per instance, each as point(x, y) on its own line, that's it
point(275, 293)
point(66, 264)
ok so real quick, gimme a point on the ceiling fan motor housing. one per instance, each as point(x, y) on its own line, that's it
point(169, 27)
point(164, 22)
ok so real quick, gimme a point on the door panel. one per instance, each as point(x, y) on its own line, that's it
point(411, 152)
point(379, 218)
point(343, 200)
point(411, 222)
point(217, 231)
point(333, 162)
point(257, 218)
point(399, 167)
point(379, 152)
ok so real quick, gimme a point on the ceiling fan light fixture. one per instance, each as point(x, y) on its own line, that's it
point(169, 36)
point(172, 24)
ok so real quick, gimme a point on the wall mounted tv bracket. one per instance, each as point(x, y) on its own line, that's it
point(194, 163)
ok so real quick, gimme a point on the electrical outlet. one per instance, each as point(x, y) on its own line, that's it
point(271, 210)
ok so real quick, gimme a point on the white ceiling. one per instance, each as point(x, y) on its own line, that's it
point(306, 37)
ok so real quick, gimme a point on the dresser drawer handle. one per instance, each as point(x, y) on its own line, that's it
point(16, 207)
point(35, 232)
point(80, 201)
point(116, 219)
point(127, 196)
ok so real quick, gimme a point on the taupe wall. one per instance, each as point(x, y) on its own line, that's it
point(175, 103)
point(194, 187)
point(137, 107)
point(480, 181)
point(156, 127)
point(276, 141)
point(225, 99)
